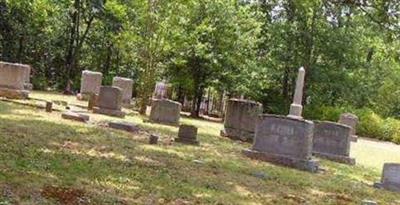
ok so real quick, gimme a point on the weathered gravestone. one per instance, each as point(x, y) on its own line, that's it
point(162, 91)
point(126, 85)
point(241, 119)
point(390, 177)
point(286, 140)
point(187, 135)
point(90, 83)
point(109, 101)
point(352, 121)
point(13, 79)
point(165, 111)
point(332, 141)
point(283, 140)
point(69, 115)
point(27, 81)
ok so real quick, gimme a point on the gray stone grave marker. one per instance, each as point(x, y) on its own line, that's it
point(241, 119)
point(90, 83)
point(332, 141)
point(126, 85)
point(13, 80)
point(109, 101)
point(390, 177)
point(286, 140)
point(165, 111)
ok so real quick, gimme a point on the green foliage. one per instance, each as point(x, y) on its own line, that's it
point(350, 50)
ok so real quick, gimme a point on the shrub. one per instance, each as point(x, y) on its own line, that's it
point(370, 125)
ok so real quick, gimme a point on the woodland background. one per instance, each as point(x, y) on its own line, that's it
point(349, 48)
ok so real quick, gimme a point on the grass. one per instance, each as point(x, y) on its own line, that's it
point(47, 160)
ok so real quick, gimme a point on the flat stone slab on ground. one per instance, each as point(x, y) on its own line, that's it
point(75, 116)
point(126, 126)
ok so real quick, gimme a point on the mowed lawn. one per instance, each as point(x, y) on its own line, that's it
point(47, 160)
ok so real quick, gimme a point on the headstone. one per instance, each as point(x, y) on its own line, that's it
point(126, 85)
point(129, 127)
point(390, 177)
point(13, 80)
point(296, 108)
point(161, 91)
point(165, 111)
point(350, 120)
point(49, 106)
point(241, 119)
point(90, 83)
point(153, 139)
point(27, 84)
point(69, 115)
point(109, 101)
point(187, 135)
point(285, 140)
point(332, 141)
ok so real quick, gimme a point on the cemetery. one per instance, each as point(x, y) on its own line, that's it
point(199, 102)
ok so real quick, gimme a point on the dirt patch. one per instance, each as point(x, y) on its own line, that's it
point(67, 196)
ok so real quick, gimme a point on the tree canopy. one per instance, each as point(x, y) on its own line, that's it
point(350, 49)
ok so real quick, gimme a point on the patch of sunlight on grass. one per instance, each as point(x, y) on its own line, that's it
point(40, 149)
point(167, 151)
point(120, 183)
point(374, 154)
point(150, 161)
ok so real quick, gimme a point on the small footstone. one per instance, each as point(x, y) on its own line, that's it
point(154, 139)
point(49, 106)
point(129, 127)
point(75, 116)
point(368, 202)
point(187, 135)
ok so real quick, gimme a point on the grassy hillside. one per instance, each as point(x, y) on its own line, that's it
point(47, 160)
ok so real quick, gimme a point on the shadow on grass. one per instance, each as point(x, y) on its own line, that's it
point(114, 167)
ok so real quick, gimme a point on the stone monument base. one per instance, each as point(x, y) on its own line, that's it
point(310, 165)
point(237, 134)
point(115, 113)
point(336, 158)
point(14, 94)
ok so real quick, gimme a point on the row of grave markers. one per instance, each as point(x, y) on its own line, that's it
point(287, 140)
